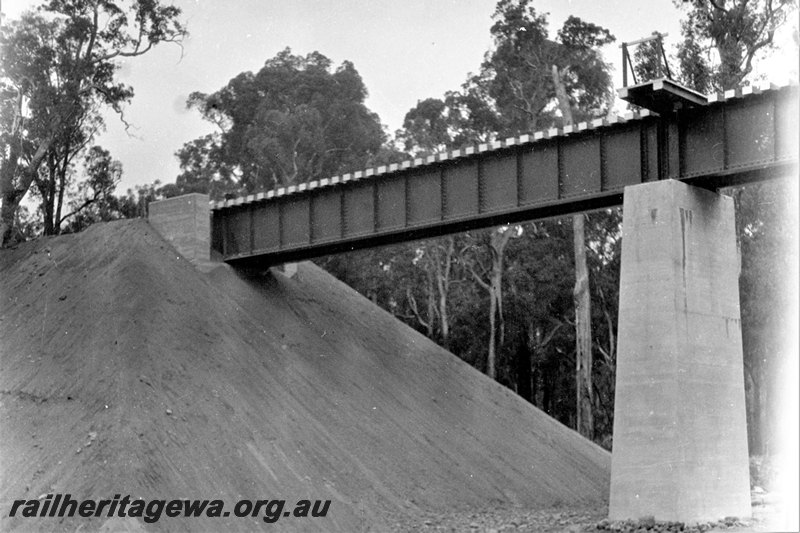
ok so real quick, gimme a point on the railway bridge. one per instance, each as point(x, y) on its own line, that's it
point(680, 436)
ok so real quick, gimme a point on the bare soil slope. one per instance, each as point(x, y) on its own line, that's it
point(229, 386)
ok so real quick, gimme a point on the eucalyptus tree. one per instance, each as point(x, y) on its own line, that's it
point(295, 120)
point(532, 79)
point(58, 72)
point(738, 32)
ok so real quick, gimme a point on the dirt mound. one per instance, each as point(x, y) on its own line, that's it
point(124, 370)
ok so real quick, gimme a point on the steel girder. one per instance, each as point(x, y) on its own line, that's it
point(740, 136)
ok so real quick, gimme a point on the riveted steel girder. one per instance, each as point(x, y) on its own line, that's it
point(743, 135)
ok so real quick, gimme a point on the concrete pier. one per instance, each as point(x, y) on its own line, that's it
point(185, 222)
point(680, 435)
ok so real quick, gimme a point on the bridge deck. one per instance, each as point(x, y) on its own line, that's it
point(742, 135)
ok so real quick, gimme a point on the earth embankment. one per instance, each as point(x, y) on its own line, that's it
point(125, 370)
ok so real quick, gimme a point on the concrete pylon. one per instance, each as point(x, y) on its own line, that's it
point(680, 433)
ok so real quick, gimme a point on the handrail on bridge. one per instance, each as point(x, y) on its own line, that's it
point(661, 71)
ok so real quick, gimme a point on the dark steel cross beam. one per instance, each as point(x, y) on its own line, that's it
point(740, 136)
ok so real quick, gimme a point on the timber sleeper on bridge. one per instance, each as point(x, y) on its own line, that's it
point(742, 134)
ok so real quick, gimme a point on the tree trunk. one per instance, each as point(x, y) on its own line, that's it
point(439, 265)
point(443, 286)
point(62, 186)
point(583, 334)
point(497, 247)
point(11, 196)
point(8, 212)
point(497, 244)
point(491, 355)
point(524, 371)
point(431, 309)
point(59, 206)
point(47, 188)
point(765, 405)
point(753, 400)
point(547, 393)
point(730, 56)
point(584, 419)
point(561, 97)
point(11, 193)
point(444, 320)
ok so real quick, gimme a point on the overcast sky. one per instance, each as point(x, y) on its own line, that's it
point(405, 51)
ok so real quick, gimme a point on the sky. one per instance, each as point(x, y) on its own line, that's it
point(404, 51)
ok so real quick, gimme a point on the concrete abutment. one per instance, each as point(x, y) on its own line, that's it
point(185, 222)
